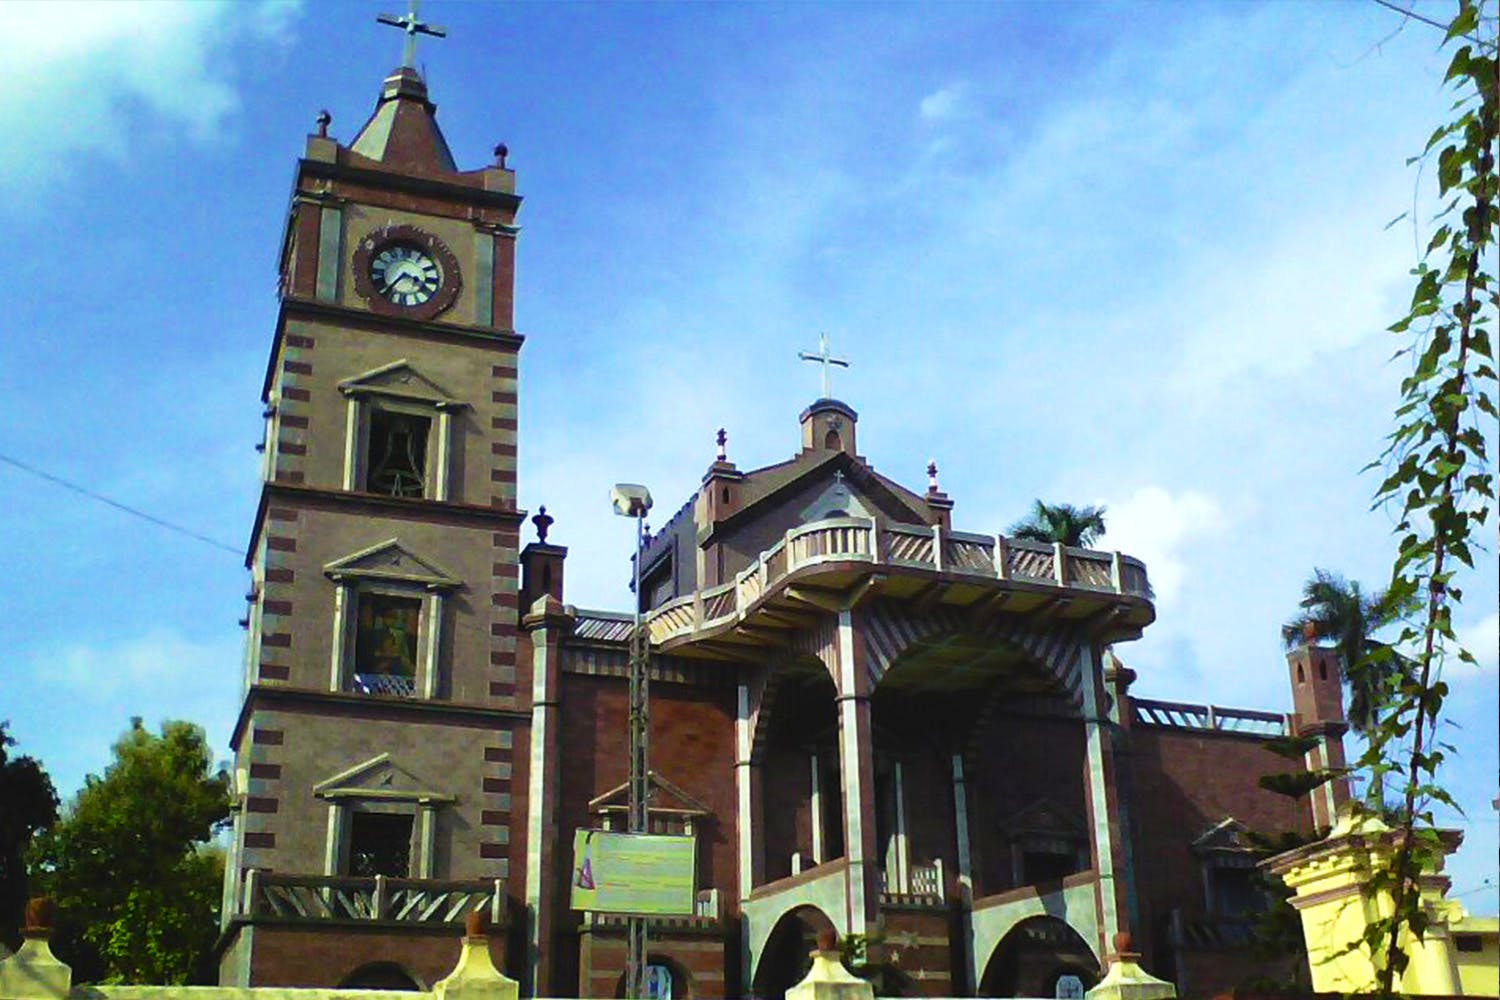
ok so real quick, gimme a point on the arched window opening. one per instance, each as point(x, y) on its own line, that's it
point(833, 442)
point(380, 976)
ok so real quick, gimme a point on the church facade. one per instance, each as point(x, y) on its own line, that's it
point(867, 719)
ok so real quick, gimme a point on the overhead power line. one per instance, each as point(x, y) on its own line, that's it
point(117, 505)
point(1427, 20)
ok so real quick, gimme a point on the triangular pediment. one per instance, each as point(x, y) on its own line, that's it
point(775, 486)
point(380, 777)
point(401, 380)
point(839, 498)
point(392, 562)
point(1227, 835)
point(1044, 819)
point(663, 797)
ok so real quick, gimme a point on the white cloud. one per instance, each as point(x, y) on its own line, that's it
point(150, 665)
point(1482, 638)
point(945, 104)
point(1157, 527)
point(91, 77)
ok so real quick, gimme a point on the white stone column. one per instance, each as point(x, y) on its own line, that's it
point(432, 646)
point(427, 831)
point(344, 597)
point(351, 442)
point(815, 807)
point(855, 758)
point(442, 464)
point(333, 845)
point(1104, 829)
point(744, 793)
point(902, 875)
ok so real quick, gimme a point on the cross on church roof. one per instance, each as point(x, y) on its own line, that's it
point(413, 27)
point(826, 358)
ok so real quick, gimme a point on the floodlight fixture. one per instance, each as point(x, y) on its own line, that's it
point(630, 499)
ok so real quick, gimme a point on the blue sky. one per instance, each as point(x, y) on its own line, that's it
point(1130, 254)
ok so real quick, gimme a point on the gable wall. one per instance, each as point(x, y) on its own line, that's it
point(743, 543)
point(692, 746)
point(1182, 783)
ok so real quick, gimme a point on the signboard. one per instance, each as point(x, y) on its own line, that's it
point(633, 873)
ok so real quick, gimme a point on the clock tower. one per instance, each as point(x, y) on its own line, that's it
point(374, 747)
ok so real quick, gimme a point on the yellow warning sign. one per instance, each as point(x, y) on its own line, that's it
point(633, 873)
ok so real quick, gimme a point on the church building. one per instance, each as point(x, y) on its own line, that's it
point(867, 719)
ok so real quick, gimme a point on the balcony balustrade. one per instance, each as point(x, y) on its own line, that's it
point(1180, 715)
point(377, 898)
point(862, 540)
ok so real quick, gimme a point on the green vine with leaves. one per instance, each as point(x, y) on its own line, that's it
point(1439, 480)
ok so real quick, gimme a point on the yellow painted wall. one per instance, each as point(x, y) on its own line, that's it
point(1329, 880)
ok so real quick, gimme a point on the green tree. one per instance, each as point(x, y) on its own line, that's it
point(28, 805)
point(1061, 523)
point(131, 865)
point(1339, 611)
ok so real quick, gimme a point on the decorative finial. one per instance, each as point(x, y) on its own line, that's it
point(723, 439)
point(932, 483)
point(828, 939)
point(476, 924)
point(41, 917)
point(501, 152)
point(1309, 633)
point(543, 521)
point(324, 120)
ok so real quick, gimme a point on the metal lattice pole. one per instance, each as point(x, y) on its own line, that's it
point(640, 735)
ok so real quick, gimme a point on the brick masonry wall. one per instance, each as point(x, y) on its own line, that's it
point(917, 948)
point(497, 813)
point(1034, 758)
point(702, 958)
point(262, 756)
point(290, 423)
point(692, 746)
point(278, 547)
point(786, 784)
point(1181, 783)
point(303, 955)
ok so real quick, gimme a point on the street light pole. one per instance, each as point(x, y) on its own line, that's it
point(631, 500)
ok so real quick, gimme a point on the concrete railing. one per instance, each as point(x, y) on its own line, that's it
point(337, 897)
point(858, 539)
point(1180, 715)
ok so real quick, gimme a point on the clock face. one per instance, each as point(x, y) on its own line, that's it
point(405, 275)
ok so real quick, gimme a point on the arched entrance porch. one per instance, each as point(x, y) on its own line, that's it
point(787, 954)
point(1040, 957)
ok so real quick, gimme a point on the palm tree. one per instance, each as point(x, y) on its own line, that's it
point(1340, 612)
point(1061, 523)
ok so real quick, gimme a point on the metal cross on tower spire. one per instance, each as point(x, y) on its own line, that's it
point(413, 26)
point(827, 360)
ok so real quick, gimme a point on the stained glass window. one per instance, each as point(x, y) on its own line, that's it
point(385, 644)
